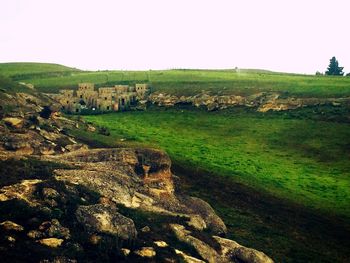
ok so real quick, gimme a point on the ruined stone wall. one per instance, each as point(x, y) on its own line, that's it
point(141, 90)
point(119, 97)
point(107, 105)
point(86, 86)
point(119, 89)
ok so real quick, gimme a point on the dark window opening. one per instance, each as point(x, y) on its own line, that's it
point(105, 98)
point(76, 110)
point(81, 96)
point(107, 107)
point(123, 102)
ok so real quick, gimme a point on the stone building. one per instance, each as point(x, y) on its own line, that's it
point(104, 99)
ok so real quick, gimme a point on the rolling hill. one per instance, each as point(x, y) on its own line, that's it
point(52, 78)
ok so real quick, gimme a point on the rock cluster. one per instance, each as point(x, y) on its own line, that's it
point(263, 101)
point(33, 129)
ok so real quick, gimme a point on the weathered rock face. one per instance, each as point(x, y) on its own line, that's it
point(207, 213)
point(102, 219)
point(116, 204)
point(33, 125)
point(136, 178)
point(204, 250)
point(232, 251)
point(263, 101)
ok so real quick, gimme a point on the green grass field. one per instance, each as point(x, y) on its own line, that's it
point(27, 68)
point(304, 161)
point(52, 78)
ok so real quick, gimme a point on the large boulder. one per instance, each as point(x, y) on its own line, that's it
point(53, 228)
point(11, 226)
point(212, 221)
point(106, 220)
point(232, 251)
point(51, 242)
point(13, 122)
point(203, 249)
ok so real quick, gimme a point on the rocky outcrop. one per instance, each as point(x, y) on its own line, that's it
point(116, 204)
point(11, 226)
point(136, 178)
point(262, 102)
point(146, 252)
point(103, 219)
point(204, 250)
point(207, 213)
point(232, 251)
point(51, 242)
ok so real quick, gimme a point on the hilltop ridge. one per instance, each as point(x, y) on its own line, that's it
point(190, 82)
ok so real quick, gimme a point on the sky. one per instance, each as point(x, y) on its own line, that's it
point(282, 35)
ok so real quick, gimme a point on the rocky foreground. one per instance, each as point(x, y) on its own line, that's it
point(63, 202)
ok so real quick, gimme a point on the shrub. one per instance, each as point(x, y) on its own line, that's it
point(104, 131)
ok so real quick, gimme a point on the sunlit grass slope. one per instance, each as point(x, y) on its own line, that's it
point(304, 161)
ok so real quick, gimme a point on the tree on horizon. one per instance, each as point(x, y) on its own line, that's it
point(333, 68)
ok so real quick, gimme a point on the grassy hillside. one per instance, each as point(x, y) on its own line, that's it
point(32, 70)
point(280, 181)
point(304, 161)
point(51, 78)
point(190, 82)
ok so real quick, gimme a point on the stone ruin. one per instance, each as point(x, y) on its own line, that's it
point(104, 99)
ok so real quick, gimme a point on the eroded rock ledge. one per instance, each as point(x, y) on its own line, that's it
point(263, 101)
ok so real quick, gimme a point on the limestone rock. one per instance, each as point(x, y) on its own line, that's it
point(22, 191)
point(203, 249)
point(53, 228)
point(125, 251)
point(90, 128)
point(207, 213)
point(10, 239)
point(11, 226)
point(102, 219)
point(197, 222)
point(160, 243)
point(145, 229)
point(76, 147)
point(35, 234)
point(187, 258)
point(13, 122)
point(132, 177)
point(50, 193)
point(146, 252)
point(232, 251)
point(50, 136)
point(51, 242)
point(47, 150)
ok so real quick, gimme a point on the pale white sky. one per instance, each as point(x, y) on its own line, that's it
point(282, 35)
